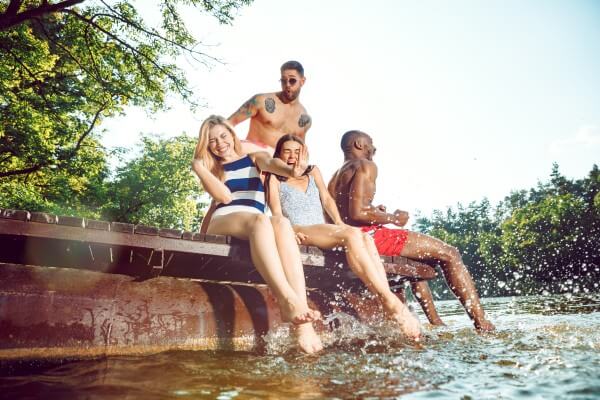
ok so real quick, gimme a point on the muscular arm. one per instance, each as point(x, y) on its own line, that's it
point(326, 199)
point(248, 110)
point(362, 191)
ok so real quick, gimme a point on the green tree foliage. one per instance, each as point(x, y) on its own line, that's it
point(544, 239)
point(474, 230)
point(156, 188)
point(66, 65)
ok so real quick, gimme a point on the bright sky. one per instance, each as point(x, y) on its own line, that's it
point(463, 99)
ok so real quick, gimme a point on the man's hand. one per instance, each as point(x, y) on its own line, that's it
point(400, 218)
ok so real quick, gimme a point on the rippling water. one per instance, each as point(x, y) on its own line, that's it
point(545, 347)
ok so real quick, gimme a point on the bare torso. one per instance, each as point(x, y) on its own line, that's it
point(271, 118)
point(342, 188)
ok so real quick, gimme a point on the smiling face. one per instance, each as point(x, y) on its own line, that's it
point(290, 152)
point(291, 83)
point(220, 142)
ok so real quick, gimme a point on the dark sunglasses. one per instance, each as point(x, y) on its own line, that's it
point(291, 81)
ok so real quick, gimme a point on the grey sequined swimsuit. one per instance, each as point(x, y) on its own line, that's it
point(299, 207)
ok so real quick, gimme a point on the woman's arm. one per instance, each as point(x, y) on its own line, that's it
point(276, 166)
point(326, 200)
point(207, 217)
point(273, 200)
point(213, 186)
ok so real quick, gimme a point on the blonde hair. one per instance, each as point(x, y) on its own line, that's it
point(203, 153)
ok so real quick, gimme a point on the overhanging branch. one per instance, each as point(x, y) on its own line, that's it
point(11, 17)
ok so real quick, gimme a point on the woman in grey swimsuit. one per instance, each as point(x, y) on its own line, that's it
point(233, 181)
point(302, 200)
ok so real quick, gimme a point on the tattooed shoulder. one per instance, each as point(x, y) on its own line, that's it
point(304, 120)
point(270, 105)
point(246, 108)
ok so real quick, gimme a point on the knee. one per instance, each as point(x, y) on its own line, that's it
point(281, 223)
point(352, 235)
point(451, 255)
point(261, 221)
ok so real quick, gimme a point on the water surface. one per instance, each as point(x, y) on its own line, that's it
point(545, 347)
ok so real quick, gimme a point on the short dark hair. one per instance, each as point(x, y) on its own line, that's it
point(293, 65)
point(349, 137)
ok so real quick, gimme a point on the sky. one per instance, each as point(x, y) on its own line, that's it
point(463, 99)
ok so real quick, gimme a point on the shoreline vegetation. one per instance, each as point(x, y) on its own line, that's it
point(536, 241)
point(67, 66)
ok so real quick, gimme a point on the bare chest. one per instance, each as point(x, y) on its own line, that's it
point(285, 118)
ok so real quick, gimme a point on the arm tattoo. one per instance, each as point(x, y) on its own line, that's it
point(270, 105)
point(304, 120)
point(245, 108)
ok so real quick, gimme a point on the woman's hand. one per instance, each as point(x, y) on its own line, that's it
point(300, 237)
point(302, 164)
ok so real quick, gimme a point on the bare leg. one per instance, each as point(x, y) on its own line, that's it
point(258, 230)
point(420, 289)
point(459, 280)
point(289, 254)
point(327, 236)
point(423, 295)
point(375, 257)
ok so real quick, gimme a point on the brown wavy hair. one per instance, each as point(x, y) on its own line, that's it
point(277, 154)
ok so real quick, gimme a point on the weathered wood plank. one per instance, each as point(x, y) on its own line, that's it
point(97, 224)
point(19, 215)
point(146, 230)
point(70, 221)
point(43, 218)
point(170, 233)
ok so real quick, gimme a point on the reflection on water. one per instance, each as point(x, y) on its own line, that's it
point(545, 347)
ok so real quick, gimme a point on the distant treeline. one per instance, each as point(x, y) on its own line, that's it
point(542, 240)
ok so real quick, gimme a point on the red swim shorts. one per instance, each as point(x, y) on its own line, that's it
point(389, 242)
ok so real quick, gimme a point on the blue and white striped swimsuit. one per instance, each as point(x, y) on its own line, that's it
point(247, 190)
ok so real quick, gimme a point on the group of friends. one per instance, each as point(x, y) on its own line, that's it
point(269, 170)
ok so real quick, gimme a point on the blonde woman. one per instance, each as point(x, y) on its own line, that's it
point(233, 180)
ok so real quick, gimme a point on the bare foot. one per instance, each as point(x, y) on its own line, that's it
point(398, 312)
point(437, 322)
point(484, 326)
point(307, 338)
point(297, 315)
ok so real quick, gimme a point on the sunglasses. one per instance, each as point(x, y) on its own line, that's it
point(291, 81)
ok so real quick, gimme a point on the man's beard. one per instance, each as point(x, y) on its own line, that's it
point(292, 96)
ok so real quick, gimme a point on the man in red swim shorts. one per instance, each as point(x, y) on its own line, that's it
point(353, 188)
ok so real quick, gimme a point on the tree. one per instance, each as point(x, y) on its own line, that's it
point(66, 65)
point(543, 239)
point(474, 230)
point(157, 187)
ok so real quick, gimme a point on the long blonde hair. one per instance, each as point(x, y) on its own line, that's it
point(203, 153)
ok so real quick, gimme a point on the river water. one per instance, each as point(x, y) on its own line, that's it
point(545, 347)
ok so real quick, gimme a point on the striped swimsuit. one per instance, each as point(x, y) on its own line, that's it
point(247, 190)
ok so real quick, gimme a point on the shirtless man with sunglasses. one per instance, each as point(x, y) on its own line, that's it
point(274, 114)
